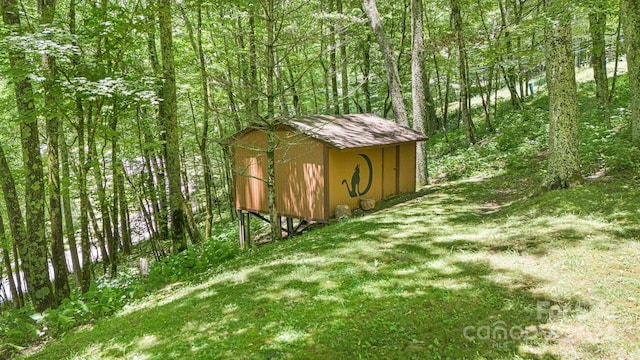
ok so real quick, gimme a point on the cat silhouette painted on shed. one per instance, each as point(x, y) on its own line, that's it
point(354, 190)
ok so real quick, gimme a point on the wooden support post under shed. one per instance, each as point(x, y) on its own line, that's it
point(290, 229)
point(244, 230)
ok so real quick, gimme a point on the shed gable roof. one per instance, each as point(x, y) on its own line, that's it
point(354, 130)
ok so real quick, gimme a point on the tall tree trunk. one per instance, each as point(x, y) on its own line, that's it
point(630, 12)
point(16, 222)
point(34, 255)
point(612, 91)
point(170, 127)
point(464, 73)
point(114, 244)
point(65, 193)
point(108, 257)
point(253, 69)
point(274, 217)
point(391, 67)
point(124, 210)
point(58, 258)
point(343, 64)
point(84, 273)
point(196, 44)
point(564, 163)
point(333, 69)
point(597, 28)
point(294, 92)
point(417, 88)
point(366, 73)
point(15, 298)
point(157, 173)
point(431, 118)
point(85, 242)
point(99, 234)
point(509, 70)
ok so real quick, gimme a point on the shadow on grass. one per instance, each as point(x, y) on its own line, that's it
point(400, 283)
point(331, 307)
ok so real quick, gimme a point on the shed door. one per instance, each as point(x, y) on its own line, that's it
point(390, 172)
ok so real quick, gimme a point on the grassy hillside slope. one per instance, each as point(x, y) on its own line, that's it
point(478, 265)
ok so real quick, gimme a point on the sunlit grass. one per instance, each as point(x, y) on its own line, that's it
point(404, 282)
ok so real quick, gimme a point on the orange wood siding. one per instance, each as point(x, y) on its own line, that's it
point(250, 167)
point(300, 185)
point(390, 183)
point(312, 178)
point(407, 167)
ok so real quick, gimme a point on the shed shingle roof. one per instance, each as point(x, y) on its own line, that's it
point(354, 130)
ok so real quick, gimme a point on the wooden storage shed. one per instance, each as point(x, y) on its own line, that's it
point(324, 161)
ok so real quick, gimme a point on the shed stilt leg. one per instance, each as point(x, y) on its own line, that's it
point(247, 230)
point(242, 237)
point(290, 229)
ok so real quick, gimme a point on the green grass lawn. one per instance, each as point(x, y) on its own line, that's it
point(476, 268)
point(478, 265)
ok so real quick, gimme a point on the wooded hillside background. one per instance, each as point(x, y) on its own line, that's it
point(113, 114)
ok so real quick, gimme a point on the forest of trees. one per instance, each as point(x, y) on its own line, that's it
point(113, 114)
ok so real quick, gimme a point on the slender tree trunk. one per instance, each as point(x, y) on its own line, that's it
point(509, 70)
point(114, 244)
point(294, 92)
point(612, 91)
point(21, 286)
point(366, 73)
point(343, 64)
point(284, 109)
point(391, 67)
point(84, 199)
point(7, 265)
point(108, 257)
point(84, 273)
point(196, 44)
point(157, 172)
point(34, 255)
point(630, 12)
point(463, 70)
point(253, 68)
point(417, 88)
point(58, 259)
point(124, 210)
point(447, 93)
point(597, 27)
point(274, 217)
point(170, 127)
point(333, 72)
point(104, 253)
point(16, 222)
point(69, 229)
point(564, 163)
point(431, 118)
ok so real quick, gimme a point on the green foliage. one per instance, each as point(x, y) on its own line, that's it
point(21, 327)
point(522, 137)
point(17, 329)
point(603, 149)
point(194, 260)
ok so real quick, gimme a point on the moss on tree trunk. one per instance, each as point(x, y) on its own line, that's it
point(564, 163)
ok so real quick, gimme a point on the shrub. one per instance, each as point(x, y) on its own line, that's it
point(194, 260)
